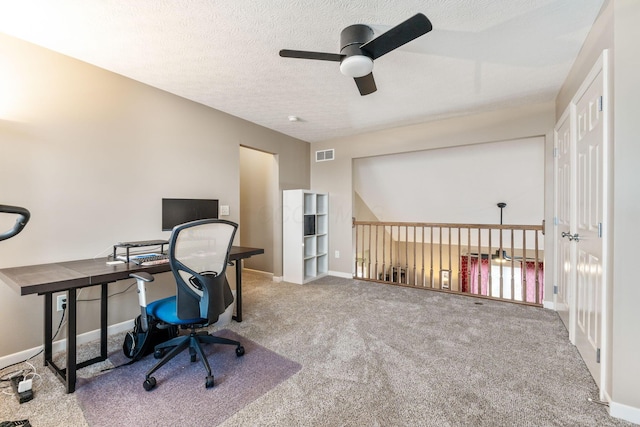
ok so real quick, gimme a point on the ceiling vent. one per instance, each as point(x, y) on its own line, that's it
point(325, 155)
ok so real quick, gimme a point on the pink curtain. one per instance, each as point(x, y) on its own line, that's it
point(529, 281)
point(484, 275)
point(469, 278)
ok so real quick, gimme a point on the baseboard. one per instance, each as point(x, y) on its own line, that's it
point(265, 274)
point(624, 412)
point(341, 274)
point(548, 305)
point(260, 272)
point(61, 345)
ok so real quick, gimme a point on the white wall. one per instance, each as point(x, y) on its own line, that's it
point(458, 184)
point(91, 154)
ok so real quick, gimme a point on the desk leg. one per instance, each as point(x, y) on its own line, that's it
point(68, 374)
point(103, 322)
point(48, 324)
point(71, 340)
point(238, 316)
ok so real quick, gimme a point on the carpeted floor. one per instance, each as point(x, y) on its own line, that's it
point(181, 387)
point(380, 355)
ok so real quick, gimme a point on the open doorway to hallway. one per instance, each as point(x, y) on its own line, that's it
point(258, 205)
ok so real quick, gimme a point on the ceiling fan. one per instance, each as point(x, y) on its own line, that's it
point(358, 49)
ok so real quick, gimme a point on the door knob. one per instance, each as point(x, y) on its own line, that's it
point(571, 237)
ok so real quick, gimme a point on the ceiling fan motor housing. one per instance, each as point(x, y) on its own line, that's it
point(355, 62)
point(354, 36)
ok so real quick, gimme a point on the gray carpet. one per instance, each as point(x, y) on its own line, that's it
point(180, 391)
point(380, 355)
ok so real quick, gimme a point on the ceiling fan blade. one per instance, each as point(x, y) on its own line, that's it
point(302, 54)
point(366, 84)
point(399, 35)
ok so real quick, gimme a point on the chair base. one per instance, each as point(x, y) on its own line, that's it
point(193, 342)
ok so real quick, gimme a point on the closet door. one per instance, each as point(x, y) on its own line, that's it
point(563, 280)
point(589, 222)
point(581, 176)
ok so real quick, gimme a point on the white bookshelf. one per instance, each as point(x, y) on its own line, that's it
point(305, 242)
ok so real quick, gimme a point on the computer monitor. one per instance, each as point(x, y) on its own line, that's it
point(179, 211)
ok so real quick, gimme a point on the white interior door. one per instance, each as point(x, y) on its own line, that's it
point(580, 206)
point(563, 279)
point(589, 221)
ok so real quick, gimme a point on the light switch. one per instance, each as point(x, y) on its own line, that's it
point(224, 210)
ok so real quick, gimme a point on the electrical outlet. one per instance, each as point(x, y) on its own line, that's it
point(62, 299)
point(337, 254)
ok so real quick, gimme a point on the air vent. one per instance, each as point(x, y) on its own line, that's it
point(324, 155)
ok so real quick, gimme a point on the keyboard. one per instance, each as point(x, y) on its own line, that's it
point(156, 262)
point(151, 259)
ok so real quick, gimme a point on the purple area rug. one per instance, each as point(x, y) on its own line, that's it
point(180, 397)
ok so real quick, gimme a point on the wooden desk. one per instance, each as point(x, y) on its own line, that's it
point(68, 276)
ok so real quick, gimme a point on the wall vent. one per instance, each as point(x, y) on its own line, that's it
point(325, 155)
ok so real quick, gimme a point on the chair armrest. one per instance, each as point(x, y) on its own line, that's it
point(141, 278)
point(143, 275)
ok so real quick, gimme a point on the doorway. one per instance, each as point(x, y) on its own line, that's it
point(258, 205)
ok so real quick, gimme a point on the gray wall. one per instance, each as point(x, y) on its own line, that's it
point(91, 154)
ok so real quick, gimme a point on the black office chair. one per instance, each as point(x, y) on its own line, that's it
point(198, 256)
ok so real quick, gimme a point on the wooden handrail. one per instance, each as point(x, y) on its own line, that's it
point(452, 225)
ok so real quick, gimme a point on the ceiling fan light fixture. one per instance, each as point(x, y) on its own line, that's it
point(356, 66)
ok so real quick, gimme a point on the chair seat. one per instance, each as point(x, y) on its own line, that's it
point(166, 310)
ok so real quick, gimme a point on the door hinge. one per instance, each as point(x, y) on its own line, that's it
point(555, 152)
point(555, 289)
point(600, 229)
point(600, 103)
point(598, 355)
point(555, 220)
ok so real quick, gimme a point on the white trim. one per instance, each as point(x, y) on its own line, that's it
point(61, 345)
point(260, 272)
point(340, 274)
point(624, 412)
point(549, 305)
point(607, 199)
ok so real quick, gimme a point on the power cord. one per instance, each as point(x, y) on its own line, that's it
point(31, 373)
point(109, 296)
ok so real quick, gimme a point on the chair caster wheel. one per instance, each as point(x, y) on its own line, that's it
point(209, 382)
point(240, 351)
point(158, 354)
point(149, 383)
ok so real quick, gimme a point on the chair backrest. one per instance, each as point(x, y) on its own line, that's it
point(198, 256)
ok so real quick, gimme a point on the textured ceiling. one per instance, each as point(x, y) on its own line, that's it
point(481, 54)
